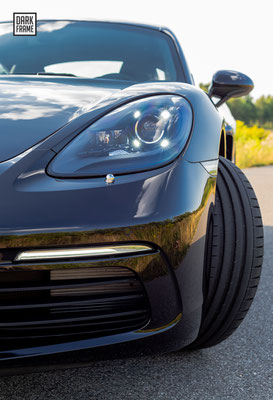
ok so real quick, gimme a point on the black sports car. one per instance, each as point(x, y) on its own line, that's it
point(124, 228)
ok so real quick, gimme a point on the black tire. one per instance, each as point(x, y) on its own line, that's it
point(234, 256)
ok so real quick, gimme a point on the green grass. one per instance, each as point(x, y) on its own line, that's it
point(254, 146)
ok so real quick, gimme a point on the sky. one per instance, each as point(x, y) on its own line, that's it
point(214, 34)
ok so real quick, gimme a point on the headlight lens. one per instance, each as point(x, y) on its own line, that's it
point(140, 135)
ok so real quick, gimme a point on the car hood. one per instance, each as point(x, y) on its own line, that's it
point(32, 108)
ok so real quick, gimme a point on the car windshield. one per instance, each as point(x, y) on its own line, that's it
point(90, 49)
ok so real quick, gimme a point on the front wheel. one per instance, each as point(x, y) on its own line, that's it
point(234, 256)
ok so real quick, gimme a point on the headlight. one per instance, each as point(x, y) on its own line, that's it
point(138, 136)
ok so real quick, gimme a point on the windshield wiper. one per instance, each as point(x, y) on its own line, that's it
point(55, 73)
point(41, 73)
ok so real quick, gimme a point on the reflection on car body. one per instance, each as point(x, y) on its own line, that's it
point(119, 202)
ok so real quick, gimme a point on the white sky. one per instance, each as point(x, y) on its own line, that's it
point(214, 34)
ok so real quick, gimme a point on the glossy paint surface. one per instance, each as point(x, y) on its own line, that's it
point(165, 208)
point(226, 84)
point(32, 109)
point(145, 208)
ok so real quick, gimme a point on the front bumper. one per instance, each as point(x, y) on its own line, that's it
point(167, 209)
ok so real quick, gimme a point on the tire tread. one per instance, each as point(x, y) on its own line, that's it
point(236, 256)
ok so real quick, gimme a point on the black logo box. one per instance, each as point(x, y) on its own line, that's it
point(24, 13)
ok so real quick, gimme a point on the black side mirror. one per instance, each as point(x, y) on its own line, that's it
point(226, 84)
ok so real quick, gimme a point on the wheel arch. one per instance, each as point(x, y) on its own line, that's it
point(223, 143)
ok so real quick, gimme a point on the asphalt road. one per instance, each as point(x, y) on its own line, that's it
point(239, 368)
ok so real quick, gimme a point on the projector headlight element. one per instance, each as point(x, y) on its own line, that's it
point(137, 136)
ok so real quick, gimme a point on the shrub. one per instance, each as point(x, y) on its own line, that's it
point(254, 146)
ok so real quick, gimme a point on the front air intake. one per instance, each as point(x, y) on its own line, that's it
point(47, 305)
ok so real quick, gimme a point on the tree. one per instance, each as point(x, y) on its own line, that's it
point(204, 86)
point(264, 110)
point(243, 109)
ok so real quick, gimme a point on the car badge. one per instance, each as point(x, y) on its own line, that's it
point(109, 179)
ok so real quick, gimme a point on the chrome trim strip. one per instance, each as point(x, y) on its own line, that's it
point(50, 254)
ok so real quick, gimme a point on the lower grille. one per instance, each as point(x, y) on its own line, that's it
point(53, 306)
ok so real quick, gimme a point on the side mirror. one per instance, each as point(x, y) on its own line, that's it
point(226, 84)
